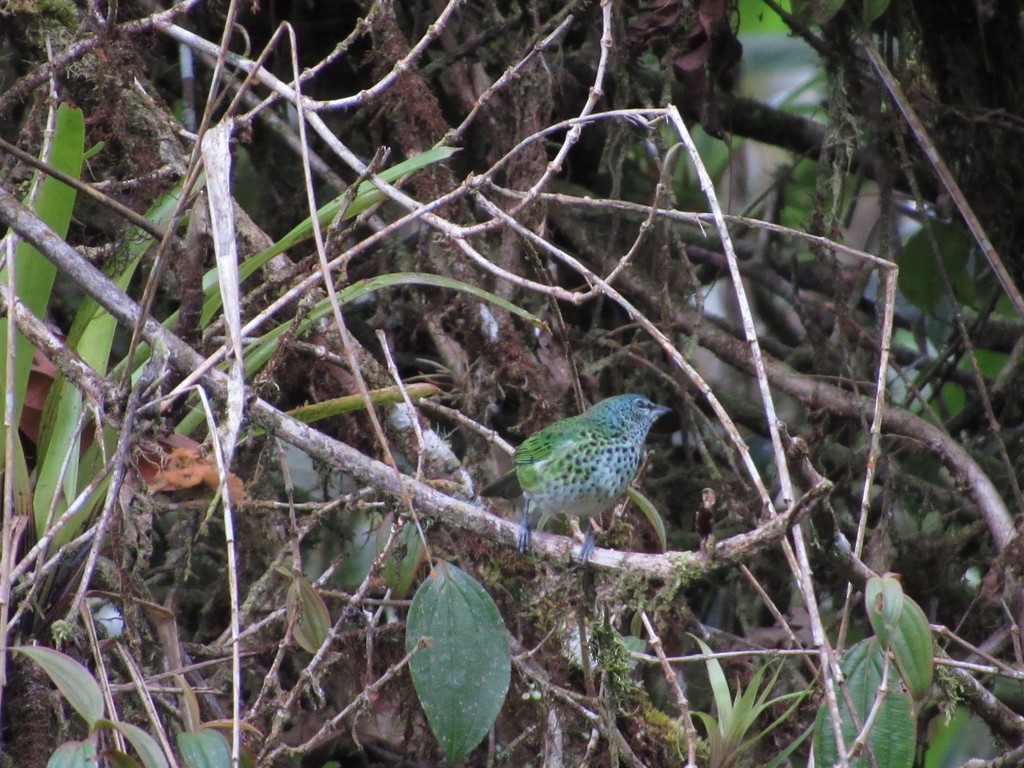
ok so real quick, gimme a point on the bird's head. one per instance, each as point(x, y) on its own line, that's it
point(635, 412)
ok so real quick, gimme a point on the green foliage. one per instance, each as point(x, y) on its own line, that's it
point(206, 749)
point(145, 745)
point(76, 684)
point(651, 513)
point(92, 337)
point(74, 754)
point(956, 738)
point(347, 205)
point(400, 569)
point(901, 627)
point(920, 280)
point(901, 630)
point(891, 737)
point(462, 673)
point(52, 201)
point(308, 615)
point(727, 735)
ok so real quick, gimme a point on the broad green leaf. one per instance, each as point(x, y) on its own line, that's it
point(145, 745)
point(462, 676)
point(912, 647)
point(920, 280)
point(757, 18)
point(719, 685)
point(892, 737)
point(74, 754)
point(901, 626)
point(883, 600)
point(74, 681)
point(955, 739)
point(206, 749)
point(307, 609)
point(873, 9)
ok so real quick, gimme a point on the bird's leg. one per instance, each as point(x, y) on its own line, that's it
point(523, 542)
point(588, 543)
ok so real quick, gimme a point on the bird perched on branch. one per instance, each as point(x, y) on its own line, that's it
point(579, 466)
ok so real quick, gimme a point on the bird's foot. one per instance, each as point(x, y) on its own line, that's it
point(587, 540)
point(588, 547)
point(523, 540)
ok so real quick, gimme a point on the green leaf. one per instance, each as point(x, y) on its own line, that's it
point(147, 747)
point(206, 749)
point(954, 397)
point(115, 759)
point(912, 648)
point(398, 573)
point(873, 9)
point(74, 754)
point(462, 676)
point(901, 626)
point(366, 195)
point(259, 353)
point(91, 336)
point(651, 513)
point(309, 612)
point(314, 412)
point(956, 738)
point(883, 600)
point(990, 362)
point(74, 681)
point(892, 737)
point(919, 279)
point(719, 685)
point(34, 274)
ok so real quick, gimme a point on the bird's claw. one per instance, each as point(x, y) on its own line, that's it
point(588, 547)
point(523, 540)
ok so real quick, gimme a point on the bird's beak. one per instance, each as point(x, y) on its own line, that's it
point(661, 411)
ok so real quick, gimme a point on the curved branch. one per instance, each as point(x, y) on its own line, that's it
point(817, 394)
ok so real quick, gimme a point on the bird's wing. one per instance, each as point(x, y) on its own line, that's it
point(540, 447)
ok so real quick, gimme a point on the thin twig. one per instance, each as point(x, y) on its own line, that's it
point(796, 555)
point(945, 177)
point(673, 680)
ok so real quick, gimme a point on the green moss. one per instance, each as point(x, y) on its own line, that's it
point(48, 12)
point(669, 730)
point(613, 658)
point(63, 632)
